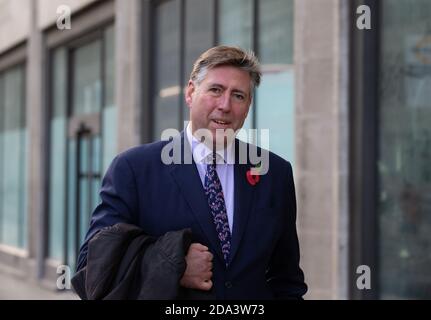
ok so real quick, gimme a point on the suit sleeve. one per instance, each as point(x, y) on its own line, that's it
point(119, 202)
point(284, 275)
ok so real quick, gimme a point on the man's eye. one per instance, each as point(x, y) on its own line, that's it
point(239, 96)
point(215, 90)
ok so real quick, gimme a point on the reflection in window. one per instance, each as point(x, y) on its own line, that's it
point(275, 96)
point(405, 150)
point(167, 69)
point(175, 55)
point(236, 23)
point(82, 141)
point(199, 22)
point(236, 29)
point(87, 79)
point(13, 195)
point(109, 116)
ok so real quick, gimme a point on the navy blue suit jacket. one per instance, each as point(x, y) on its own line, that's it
point(140, 189)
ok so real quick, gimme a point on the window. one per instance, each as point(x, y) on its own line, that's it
point(275, 97)
point(269, 31)
point(83, 131)
point(184, 29)
point(13, 177)
point(404, 170)
point(236, 29)
point(167, 99)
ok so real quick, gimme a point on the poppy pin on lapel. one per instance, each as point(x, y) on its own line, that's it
point(253, 175)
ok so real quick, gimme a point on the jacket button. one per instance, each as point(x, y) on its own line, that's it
point(228, 284)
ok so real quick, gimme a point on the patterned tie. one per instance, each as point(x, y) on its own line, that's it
point(214, 193)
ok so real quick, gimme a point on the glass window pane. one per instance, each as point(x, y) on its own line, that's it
point(59, 83)
point(199, 37)
point(275, 97)
point(405, 150)
point(109, 123)
point(87, 79)
point(199, 33)
point(235, 28)
point(95, 151)
point(275, 111)
point(109, 71)
point(23, 218)
point(71, 204)
point(109, 116)
point(236, 23)
point(167, 69)
point(14, 171)
point(276, 31)
point(96, 160)
point(84, 207)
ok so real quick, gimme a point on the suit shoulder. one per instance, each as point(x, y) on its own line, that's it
point(279, 160)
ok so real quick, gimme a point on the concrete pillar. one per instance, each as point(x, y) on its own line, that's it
point(128, 35)
point(321, 80)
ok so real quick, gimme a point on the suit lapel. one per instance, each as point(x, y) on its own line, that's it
point(243, 196)
point(190, 185)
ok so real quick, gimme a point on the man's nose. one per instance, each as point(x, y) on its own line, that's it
point(224, 102)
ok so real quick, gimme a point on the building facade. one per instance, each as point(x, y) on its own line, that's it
point(350, 108)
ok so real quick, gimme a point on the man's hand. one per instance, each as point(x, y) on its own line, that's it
point(198, 272)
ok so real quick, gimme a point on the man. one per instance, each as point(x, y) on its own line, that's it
point(245, 243)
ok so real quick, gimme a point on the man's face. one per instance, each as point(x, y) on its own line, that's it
point(221, 101)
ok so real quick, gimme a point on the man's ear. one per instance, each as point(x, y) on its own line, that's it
point(189, 93)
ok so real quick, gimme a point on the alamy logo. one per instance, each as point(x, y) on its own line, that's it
point(364, 280)
point(175, 152)
point(63, 281)
point(64, 21)
point(364, 20)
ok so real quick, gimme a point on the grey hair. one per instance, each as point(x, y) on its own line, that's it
point(227, 56)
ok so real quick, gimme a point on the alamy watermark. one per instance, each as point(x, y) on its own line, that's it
point(364, 20)
point(363, 282)
point(176, 152)
point(63, 281)
point(64, 17)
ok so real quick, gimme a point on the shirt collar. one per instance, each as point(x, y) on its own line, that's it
point(202, 154)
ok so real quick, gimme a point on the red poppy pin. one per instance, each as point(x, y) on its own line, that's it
point(252, 177)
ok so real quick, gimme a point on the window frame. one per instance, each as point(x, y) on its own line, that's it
point(88, 25)
point(16, 57)
point(363, 150)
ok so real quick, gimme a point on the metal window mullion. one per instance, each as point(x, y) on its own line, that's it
point(77, 194)
point(22, 163)
point(255, 46)
point(216, 14)
point(90, 173)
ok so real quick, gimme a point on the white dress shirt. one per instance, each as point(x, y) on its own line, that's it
point(224, 168)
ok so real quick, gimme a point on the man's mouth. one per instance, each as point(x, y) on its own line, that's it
point(224, 123)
